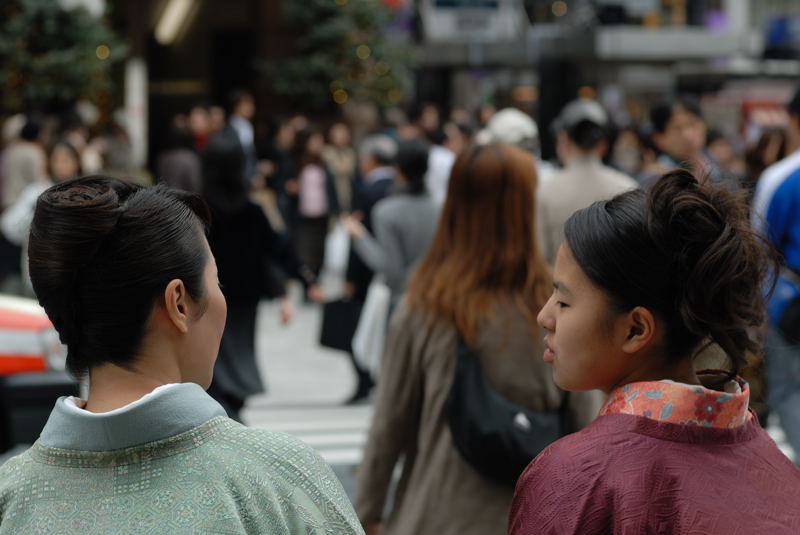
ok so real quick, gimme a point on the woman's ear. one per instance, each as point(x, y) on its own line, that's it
point(640, 329)
point(176, 302)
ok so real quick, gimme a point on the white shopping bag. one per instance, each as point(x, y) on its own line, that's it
point(371, 331)
point(337, 249)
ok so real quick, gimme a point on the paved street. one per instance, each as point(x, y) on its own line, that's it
point(307, 385)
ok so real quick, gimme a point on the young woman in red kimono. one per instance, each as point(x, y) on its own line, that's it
point(643, 282)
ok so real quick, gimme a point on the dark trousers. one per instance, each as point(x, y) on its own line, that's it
point(309, 241)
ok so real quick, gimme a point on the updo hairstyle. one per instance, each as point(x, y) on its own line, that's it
point(412, 160)
point(685, 251)
point(101, 253)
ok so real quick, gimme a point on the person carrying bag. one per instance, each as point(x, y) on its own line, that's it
point(497, 437)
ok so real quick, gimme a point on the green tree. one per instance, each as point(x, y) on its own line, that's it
point(340, 53)
point(50, 56)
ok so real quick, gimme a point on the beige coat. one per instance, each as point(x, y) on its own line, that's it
point(579, 184)
point(439, 493)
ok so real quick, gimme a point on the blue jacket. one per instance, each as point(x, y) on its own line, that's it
point(782, 220)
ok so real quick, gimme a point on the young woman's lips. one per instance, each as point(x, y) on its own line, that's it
point(549, 354)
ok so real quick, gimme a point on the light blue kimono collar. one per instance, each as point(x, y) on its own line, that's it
point(166, 412)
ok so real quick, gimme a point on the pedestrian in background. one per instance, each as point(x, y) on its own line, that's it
point(403, 223)
point(341, 160)
point(63, 163)
point(314, 191)
point(581, 132)
point(127, 277)
point(247, 250)
point(24, 161)
point(776, 215)
point(178, 164)
point(643, 282)
point(680, 135)
point(241, 110)
point(448, 143)
point(376, 156)
point(483, 279)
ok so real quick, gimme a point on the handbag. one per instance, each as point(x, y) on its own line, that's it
point(370, 334)
point(496, 437)
point(339, 321)
point(337, 249)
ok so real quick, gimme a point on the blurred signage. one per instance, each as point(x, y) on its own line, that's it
point(491, 4)
point(473, 21)
point(633, 8)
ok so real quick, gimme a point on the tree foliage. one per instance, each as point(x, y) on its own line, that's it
point(51, 56)
point(340, 53)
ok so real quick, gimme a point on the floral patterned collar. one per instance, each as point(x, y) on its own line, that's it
point(668, 401)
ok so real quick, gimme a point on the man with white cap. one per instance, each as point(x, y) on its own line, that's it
point(584, 179)
point(511, 126)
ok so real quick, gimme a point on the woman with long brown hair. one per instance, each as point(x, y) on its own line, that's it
point(482, 281)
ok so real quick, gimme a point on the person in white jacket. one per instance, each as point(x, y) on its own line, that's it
point(63, 163)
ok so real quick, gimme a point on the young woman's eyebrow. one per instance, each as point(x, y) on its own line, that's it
point(560, 287)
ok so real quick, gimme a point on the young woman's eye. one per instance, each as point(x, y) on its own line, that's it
point(561, 304)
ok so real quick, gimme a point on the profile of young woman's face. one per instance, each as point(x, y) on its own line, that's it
point(580, 341)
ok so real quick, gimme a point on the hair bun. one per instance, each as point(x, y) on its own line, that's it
point(71, 222)
point(684, 215)
point(716, 262)
point(79, 214)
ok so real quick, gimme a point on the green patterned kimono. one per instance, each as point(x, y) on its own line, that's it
point(129, 471)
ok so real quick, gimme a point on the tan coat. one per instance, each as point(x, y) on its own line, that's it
point(579, 184)
point(439, 494)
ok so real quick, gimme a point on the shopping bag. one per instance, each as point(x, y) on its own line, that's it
point(371, 330)
point(337, 249)
point(339, 321)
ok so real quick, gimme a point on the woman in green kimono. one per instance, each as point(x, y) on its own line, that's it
point(126, 276)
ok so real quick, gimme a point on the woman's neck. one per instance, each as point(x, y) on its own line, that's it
point(681, 371)
point(112, 386)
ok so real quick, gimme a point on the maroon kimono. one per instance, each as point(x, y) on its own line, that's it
point(628, 474)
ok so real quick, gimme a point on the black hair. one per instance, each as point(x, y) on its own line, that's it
point(661, 114)
point(586, 134)
point(69, 121)
point(412, 160)
point(101, 253)
point(225, 187)
point(437, 137)
point(178, 138)
point(32, 129)
point(300, 156)
point(685, 251)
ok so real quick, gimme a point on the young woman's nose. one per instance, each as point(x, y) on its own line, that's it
point(545, 318)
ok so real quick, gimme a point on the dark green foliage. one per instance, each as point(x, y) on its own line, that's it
point(325, 60)
point(49, 55)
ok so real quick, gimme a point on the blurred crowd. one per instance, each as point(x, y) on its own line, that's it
point(315, 180)
point(444, 223)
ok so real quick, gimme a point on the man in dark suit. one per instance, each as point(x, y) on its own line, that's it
point(376, 155)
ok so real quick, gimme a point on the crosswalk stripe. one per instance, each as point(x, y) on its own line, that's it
point(337, 433)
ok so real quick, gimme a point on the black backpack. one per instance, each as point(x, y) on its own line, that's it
point(495, 436)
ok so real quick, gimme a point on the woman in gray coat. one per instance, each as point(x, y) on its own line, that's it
point(404, 223)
